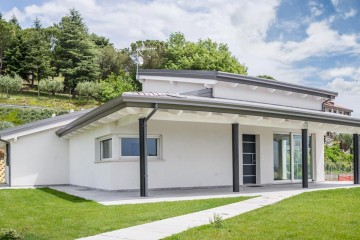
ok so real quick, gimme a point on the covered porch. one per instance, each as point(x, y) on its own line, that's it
point(248, 129)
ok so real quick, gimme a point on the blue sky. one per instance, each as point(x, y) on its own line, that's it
point(316, 43)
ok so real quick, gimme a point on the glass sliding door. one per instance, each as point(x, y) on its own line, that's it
point(297, 157)
point(288, 157)
point(282, 157)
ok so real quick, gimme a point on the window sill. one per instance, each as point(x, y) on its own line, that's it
point(129, 160)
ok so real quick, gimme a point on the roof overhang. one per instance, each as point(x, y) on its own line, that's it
point(41, 125)
point(237, 109)
point(217, 76)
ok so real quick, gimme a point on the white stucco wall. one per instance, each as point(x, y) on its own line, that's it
point(265, 95)
point(171, 87)
point(39, 159)
point(193, 155)
point(318, 154)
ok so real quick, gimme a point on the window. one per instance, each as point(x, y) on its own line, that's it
point(105, 149)
point(130, 147)
point(288, 156)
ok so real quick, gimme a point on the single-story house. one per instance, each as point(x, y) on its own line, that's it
point(186, 129)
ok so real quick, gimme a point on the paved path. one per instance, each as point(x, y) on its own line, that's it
point(167, 227)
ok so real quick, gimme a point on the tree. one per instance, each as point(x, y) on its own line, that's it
point(109, 61)
point(345, 141)
point(10, 84)
point(88, 89)
point(76, 52)
point(51, 86)
point(266, 77)
point(6, 37)
point(37, 63)
point(14, 56)
point(100, 41)
point(114, 86)
point(202, 55)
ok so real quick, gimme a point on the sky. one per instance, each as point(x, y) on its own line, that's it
point(314, 43)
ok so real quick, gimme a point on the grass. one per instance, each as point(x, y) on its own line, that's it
point(331, 214)
point(30, 98)
point(49, 214)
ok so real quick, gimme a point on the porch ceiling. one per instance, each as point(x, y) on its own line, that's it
point(130, 115)
point(175, 107)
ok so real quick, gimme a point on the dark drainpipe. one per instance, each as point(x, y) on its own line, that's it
point(144, 152)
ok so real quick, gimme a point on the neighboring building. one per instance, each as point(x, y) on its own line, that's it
point(330, 106)
point(203, 129)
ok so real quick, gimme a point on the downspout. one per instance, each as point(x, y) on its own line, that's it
point(144, 152)
point(156, 107)
point(323, 104)
point(8, 159)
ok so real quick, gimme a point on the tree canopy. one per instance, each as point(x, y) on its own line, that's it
point(68, 50)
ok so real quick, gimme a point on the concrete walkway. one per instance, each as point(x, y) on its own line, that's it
point(167, 227)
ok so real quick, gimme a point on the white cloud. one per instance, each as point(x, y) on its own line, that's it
point(350, 13)
point(341, 85)
point(316, 9)
point(341, 72)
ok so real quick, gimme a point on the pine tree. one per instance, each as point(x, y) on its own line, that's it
point(14, 56)
point(37, 62)
point(6, 37)
point(75, 51)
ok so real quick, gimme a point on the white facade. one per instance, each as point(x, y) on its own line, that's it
point(39, 159)
point(192, 155)
point(194, 147)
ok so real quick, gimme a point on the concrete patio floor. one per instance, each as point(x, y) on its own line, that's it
point(132, 197)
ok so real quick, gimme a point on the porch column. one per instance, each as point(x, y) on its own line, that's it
point(305, 174)
point(235, 157)
point(143, 157)
point(356, 158)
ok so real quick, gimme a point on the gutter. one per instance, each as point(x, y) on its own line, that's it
point(8, 159)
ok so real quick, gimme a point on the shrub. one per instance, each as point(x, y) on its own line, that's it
point(10, 234)
point(20, 116)
point(10, 84)
point(5, 124)
point(114, 86)
point(88, 89)
point(217, 221)
point(51, 86)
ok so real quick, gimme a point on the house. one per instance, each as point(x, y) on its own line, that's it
point(186, 129)
point(334, 108)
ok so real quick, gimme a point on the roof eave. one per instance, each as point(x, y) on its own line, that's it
point(97, 113)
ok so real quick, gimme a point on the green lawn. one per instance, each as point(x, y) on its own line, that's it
point(49, 214)
point(331, 214)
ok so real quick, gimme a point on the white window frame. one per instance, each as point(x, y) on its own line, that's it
point(99, 157)
point(159, 147)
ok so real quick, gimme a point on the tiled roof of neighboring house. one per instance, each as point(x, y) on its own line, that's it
point(42, 123)
point(238, 78)
point(333, 105)
point(198, 103)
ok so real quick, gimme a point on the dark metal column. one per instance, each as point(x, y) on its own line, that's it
point(356, 158)
point(305, 174)
point(143, 157)
point(235, 157)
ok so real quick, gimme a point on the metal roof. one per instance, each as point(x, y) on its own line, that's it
point(42, 123)
point(238, 78)
point(196, 103)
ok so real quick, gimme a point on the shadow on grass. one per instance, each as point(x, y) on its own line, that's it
point(64, 196)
